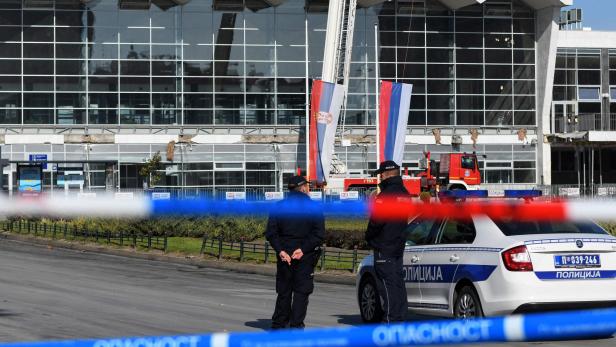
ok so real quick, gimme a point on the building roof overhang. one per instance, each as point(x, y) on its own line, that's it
point(541, 4)
point(457, 4)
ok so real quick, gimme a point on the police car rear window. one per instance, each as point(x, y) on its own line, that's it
point(512, 228)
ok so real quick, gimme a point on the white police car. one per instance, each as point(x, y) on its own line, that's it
point(484, 268)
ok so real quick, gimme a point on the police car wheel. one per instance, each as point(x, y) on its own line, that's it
point(467, 304)
point(369, 301)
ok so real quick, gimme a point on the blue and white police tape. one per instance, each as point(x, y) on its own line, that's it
point(108, 206)
point(532, 327)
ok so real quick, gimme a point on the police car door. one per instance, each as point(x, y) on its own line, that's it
point(419, 234)
point(440, 262)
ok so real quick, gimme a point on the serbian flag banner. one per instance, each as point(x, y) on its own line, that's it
point(325, 104)
point(395, 102)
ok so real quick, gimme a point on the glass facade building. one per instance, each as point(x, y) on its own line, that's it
point(243, 68)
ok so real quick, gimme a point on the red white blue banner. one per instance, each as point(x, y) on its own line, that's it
point(325, 103)
point(395, 102)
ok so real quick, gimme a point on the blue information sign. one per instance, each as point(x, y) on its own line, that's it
point(39, 157)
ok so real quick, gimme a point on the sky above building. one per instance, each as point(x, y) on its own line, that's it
point(598, 14)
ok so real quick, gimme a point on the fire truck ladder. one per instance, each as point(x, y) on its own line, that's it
point(345, 52)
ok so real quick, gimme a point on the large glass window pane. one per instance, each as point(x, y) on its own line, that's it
point(134, 100)
point(441, 117)
point(526, 72)
point(198, 100)
point(164, 68)
point(196, 68)
point(440, 87)
point(589, 61)
point(499, 118)
point(103, 100)
point(589, 93)
point(442, 102)
point(257, 116)
point(68, 115)
point(128, 116)
point(10, 34)
point(10, 50)
point(195, 85)
point(524, 26)
point(439, 40)
point(40, 116)
point(9, 67)
point(70, 67)
point(38, 100)
point(71, 51)
point(469, 40)
point(523, 56)
point(134, 67)
point(498, 56)
point(229, 101)
point(524, 41)
point(267, 53)
point(10, 100)
point(470, 102)
point(38, 50)
point(10, 83)
point(499, 41)
point(287, 85)
point(38, 83)
point(417, 118)
point(42, 17)
point(38, 34)
point(440, 55)
point(524, 102)
point(102, 67)
point(9, 17)
point(525, 118)
point(166, 116)
point(134, 84)
point(469, 86)
point(103, 116)
point(469, 71)
point(439, 24)
point(586, 77)
point(286, 101)
point(497, 25)
point(498, 72)
point(524, 87)
point(10, 116)
point(198, 117)
point(230, 117)
point(76, 34)
point(469, 118)
point(504, 102)
point(413, 55)
point(104, 84)
point(406, 39)
point(469, 24)
point(474, 56)
point(440, 71)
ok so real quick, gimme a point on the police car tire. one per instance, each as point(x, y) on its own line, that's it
point(467, 299)
point(368, 291)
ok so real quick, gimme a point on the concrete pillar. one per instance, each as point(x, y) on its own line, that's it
point(547, 40)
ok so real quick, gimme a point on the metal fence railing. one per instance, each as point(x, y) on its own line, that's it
point(262, 252)
point(585, 122)
point(64, 231)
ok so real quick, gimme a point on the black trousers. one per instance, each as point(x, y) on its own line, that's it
point(294, 283)
point(390, 273)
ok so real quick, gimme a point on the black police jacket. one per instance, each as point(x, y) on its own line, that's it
point(388, 237)
point(295, 230)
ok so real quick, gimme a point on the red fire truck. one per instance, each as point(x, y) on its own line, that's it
point(454, 171)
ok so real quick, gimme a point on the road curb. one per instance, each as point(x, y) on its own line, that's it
point(264, 269)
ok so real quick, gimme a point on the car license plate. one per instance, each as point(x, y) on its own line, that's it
point(577, 261)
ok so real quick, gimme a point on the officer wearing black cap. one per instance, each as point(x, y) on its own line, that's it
point(296, 237)
point(388, 240)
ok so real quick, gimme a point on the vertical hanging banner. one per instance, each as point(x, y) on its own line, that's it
point(394, 105)
point(325, 103)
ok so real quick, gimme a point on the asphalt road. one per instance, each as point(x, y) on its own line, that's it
point(50, 293)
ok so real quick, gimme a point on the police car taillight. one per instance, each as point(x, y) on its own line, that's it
point(517, 259)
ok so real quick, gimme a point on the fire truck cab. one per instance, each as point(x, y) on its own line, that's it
point(454, 171)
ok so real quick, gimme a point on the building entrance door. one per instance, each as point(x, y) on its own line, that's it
point(564, 117)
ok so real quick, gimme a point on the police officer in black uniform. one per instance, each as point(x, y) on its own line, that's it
point(296, 237)
point(388, 240)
